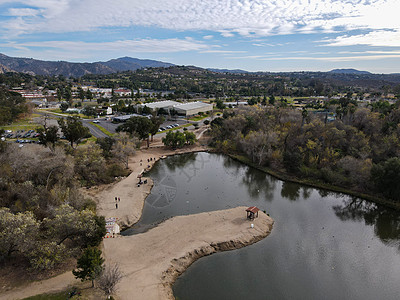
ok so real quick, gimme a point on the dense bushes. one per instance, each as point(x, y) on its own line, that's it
point(43, 217)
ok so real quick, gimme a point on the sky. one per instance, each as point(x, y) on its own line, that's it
point(252, 35)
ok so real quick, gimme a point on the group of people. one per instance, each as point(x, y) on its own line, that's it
point(117, 199)
point(141, 182)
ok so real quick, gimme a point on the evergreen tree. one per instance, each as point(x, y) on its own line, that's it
point(89, 265)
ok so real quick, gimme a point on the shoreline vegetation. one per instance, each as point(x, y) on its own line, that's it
point(315, 184)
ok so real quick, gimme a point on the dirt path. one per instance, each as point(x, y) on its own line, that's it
point(51, 285)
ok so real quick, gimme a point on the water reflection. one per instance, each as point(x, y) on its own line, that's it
point(179, 161)
point(290, 191)
point(386, 221)
point(257, 183)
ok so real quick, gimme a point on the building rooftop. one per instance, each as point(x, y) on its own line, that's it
point(161, 104)
point(253, 209)
point(191, 105)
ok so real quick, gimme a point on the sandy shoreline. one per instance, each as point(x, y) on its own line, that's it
point(151, 262)
point(132, 197)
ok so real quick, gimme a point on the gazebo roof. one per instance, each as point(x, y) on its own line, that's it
point(253, 209)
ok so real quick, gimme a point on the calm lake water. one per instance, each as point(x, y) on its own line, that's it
point(323, 246)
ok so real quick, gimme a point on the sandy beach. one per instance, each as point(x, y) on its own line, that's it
point(150, 262)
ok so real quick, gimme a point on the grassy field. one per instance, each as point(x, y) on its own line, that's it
point(26, 123)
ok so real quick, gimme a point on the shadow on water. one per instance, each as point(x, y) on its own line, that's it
point(385, 221)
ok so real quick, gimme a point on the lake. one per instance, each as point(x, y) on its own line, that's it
point(324, 245)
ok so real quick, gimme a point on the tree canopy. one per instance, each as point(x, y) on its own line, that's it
point(73, 129)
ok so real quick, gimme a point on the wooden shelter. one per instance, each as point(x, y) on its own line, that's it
point(252, 212)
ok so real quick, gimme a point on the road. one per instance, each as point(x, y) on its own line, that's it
point(86, 122)
point(111, 127)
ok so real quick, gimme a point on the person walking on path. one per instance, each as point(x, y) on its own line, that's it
point(119, 199)
point(116, 205)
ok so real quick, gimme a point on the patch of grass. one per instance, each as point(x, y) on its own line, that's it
point(91, 139)
point(25, 123)
point(56, 296)
point(198, 118)
point(102, 129)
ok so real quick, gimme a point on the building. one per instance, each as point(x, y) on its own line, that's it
point(166, 105)
point(193, 108)
point(124, 118)
point(112, 227)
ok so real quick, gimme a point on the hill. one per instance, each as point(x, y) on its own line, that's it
point(68, 69)
point(349, 71)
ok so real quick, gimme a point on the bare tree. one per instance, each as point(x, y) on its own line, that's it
point(109, 278)
point(124, 147)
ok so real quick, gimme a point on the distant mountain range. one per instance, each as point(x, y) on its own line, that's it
point(41, 67)
point(69, 69)
point(349, 71)
point(236, 71)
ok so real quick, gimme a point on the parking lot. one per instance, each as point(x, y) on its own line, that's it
point(22, 136)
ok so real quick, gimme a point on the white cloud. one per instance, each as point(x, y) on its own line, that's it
point(208, 37)
point(126, 46)
point(23, 12)
point(386, 38)
point(245, 17)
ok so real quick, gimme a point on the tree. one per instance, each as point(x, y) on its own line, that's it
point(157, 121)
point(271, 100)
point(48, 136)
point(81, 93)
point(11, 106)
point(123, 147)
point(190, 137)
point(64, 106)
point(109, 278)
point(68, 95)
point(17, 232)
point(73, 130)
point(174, 139)
point(386, 178)
point(89, 94)
point(139, 125)
point(89, 111)
point(89, 265)
point(81, 228)
point(106, 144)
point(220, 104)
point(90, 164)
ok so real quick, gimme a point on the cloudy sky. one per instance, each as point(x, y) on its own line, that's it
point(254, 35)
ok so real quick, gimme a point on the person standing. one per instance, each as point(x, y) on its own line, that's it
point(116, 205)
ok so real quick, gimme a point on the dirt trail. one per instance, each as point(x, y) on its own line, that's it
point(51, 285)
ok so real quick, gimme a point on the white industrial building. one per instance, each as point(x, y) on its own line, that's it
point(193, 108)
point(167, 105)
